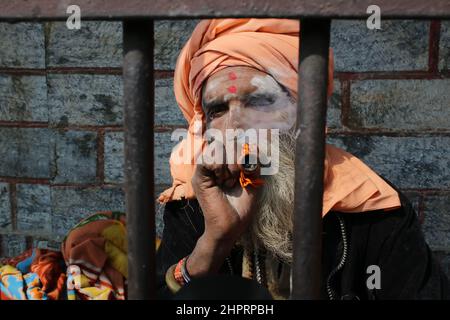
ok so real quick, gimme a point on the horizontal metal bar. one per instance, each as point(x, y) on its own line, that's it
point(139, 176)
point(309, 158)
point(119, 9)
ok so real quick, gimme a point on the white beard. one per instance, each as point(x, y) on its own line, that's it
point(272, 226)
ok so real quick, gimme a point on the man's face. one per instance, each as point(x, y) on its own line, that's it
point(244, 98)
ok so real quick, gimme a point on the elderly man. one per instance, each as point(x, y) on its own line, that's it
point(242, 74)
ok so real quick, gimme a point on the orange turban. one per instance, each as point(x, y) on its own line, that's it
point(271, 46)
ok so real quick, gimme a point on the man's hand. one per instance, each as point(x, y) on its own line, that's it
point(228, 210)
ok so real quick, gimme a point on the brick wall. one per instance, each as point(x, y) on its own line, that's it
point(61, 135)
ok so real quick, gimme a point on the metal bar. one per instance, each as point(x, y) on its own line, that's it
point(139, 176)
point(309, 155)
point(156, 9)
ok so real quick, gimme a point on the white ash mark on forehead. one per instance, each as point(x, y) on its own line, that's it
point(212, 84)
point(266, 84)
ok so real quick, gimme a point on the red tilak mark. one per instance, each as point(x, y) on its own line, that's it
point(232, 89)
point(232, 76)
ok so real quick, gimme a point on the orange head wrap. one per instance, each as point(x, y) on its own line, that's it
point(271, 46)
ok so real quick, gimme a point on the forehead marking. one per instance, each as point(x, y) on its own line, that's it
point(265, 83)
point(232, 76)
point(232, 89)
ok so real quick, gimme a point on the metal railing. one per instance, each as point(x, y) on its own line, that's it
point(138, 41)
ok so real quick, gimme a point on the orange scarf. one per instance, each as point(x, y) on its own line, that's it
point(271, 46)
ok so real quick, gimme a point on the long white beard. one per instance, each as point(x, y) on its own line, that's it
point(272, 226)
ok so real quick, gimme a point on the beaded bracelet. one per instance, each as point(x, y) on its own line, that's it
point(177, 273)
point(180, 272)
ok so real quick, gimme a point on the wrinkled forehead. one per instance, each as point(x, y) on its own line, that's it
point(233, 73)
point(246, 79)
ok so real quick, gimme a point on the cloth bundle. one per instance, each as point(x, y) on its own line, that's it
point(92, 265)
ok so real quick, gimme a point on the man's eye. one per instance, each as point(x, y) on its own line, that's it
point(216, 112)
point(260, 101)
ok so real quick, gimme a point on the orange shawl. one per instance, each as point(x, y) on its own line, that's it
point(271, 46)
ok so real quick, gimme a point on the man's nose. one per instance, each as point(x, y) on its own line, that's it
point(235, 114)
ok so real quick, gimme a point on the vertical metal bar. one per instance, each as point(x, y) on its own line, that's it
point(309, 164)
point(139, 176)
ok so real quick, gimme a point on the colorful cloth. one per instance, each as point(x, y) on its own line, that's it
point(40, 275)
point(92, 265)
point(11, 284)
point(15, 260)
point(95, 252)
point(34, 288)
point(49, 267)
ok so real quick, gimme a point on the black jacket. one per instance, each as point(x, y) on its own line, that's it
point(352, 242)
